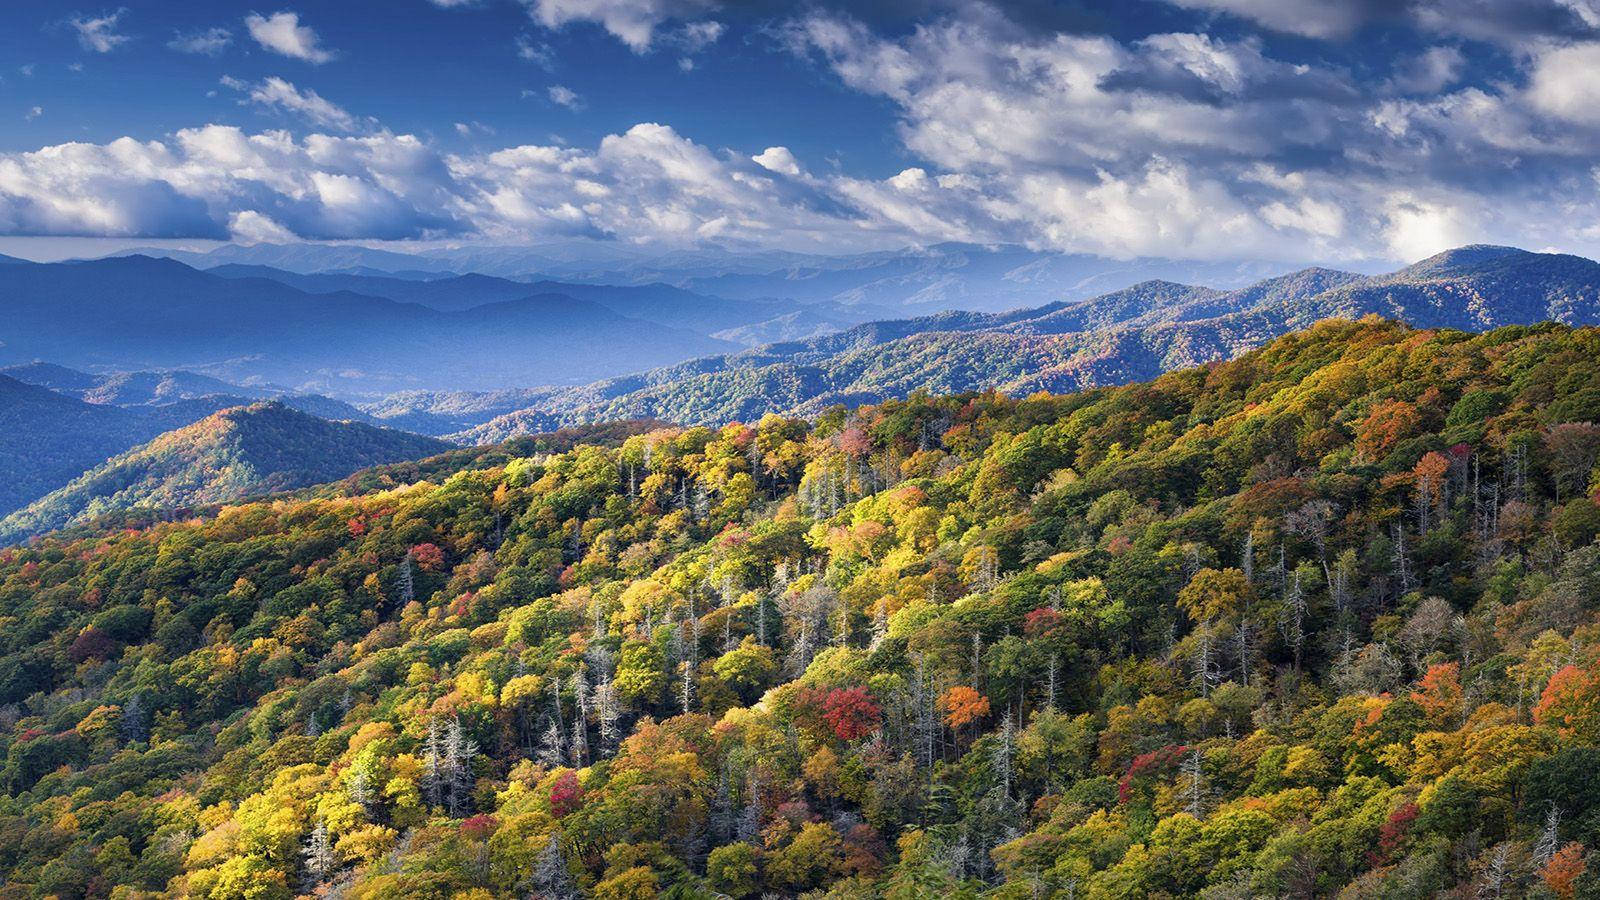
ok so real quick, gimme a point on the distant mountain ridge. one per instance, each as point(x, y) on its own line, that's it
point(229, 455)
point(738, 321)
point(136, 313)
point(47, 438)
point(900, 282)
point(1127, 335)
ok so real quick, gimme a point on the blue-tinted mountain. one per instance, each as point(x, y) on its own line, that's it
point(229, 455)
point(137, 313)
point(47, 438)
point(1127, 335)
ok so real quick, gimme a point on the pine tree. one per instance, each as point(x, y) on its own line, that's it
point(359, 787)
point(1004, 750)
point(579, 745)
point(1194, 792)
point(1549, 838)
point(880, 625)
point(133, 725)
point(608, 713)
point(404, 582)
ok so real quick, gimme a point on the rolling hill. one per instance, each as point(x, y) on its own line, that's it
point(46, 439)
point(1127, 335)
point(137, 313)
point(229, 455)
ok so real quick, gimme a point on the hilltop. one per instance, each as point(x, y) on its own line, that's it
point(228, 455)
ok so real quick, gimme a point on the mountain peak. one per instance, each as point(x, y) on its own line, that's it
point(1461, 260)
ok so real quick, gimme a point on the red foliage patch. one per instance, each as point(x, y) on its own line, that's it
point(1392, 834)
point(479, 827)
point(566, 794)
point(1148, 764)
point(428, 557)
point(851, 713)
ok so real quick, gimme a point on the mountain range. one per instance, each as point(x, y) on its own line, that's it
point(137, 435)
point(1126, 335)
point(136, 313)
point(909, 281)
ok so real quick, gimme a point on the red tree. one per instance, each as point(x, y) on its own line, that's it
point(851, 713)
point(566, 794)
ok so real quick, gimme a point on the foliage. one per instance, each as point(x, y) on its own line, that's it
point(1197, 637)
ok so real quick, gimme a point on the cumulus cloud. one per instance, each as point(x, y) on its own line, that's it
point(634, 22)
point(777, 159)
point(201, 181)
point(99, 33)
point(562, 95)
point(276, 93)
point(1173, 144)
point(33, 112)
point(1504, 21)
point(1195, 145)
point(208, 42)
point(251, 227)
point(282, 33)
point(1566, 83)
point(1436, 69)
point(648, 184)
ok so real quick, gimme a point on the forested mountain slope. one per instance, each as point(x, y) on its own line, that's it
point(47, 438)
point(1318, 621)
point(1128, 335)
point(228, 455)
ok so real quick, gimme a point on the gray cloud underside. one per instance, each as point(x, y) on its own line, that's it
point(1178, 145)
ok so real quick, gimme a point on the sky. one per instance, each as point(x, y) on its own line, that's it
point(1198, 129)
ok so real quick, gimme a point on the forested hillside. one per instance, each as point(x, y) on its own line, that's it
point(1127, 335)
point(228, 455)
point(1322, 620)
point(47, 438)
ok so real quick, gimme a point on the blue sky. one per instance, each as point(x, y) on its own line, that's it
point(1284, 129)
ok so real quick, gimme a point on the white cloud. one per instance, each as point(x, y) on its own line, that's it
point(634, 22)
point(276, 93)
point(1515, 23)
point(208, 42)
point(250, 227)
point(282, 33)
point(1436, 69)
point(33, 113)
point(1419, 228)
point(1190, 145)
point(562, 95)
point(99, 33)
point(1566, 83)
point(1183, 145)
point(778, 159)
point(1311, 18)
point(697, 36)
point(536, 52)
